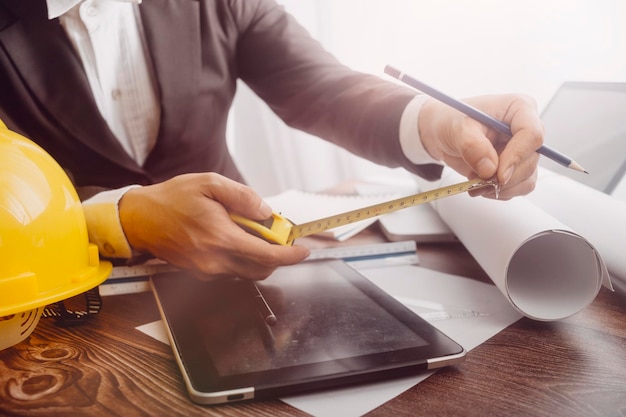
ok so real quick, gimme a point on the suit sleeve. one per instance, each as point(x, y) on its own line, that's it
point(310, 90)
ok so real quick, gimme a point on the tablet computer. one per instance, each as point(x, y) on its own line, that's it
point(332, 327)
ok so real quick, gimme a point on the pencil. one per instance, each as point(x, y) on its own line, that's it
point(479, 116)
point(263, 307)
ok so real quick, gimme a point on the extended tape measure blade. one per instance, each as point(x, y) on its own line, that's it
point(330, 222)
point(282, 231)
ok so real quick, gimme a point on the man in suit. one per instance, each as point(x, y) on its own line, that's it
point(132, 100)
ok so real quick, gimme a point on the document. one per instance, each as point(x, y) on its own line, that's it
point(546, 269)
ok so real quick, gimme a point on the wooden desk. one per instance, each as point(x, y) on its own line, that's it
point(574, 367)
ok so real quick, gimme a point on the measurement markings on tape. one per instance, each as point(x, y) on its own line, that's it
point(279, 229)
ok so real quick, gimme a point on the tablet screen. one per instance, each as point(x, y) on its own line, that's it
point(330, 321)
point(320, 317)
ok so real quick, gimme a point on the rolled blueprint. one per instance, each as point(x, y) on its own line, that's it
point(545, 269)
point(592, 213)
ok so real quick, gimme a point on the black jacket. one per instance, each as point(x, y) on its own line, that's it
point(199, 48)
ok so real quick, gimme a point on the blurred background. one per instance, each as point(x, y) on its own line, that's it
point(462, 47)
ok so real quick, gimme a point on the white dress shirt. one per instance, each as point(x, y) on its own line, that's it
point(108, 37)
point(109, 40)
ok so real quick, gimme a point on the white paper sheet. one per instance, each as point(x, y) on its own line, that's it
point(620, 190)
point(547, 270)
point(469, 311)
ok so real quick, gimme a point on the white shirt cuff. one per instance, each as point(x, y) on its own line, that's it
point(103, 223)
point(410, 140)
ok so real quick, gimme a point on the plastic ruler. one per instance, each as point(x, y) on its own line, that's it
point(132, 279)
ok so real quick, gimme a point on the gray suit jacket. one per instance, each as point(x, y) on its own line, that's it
point(199, 48)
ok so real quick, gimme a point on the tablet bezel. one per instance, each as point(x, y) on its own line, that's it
point(439, 350)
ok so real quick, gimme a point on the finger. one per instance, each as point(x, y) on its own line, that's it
point(521, 149)
point(521, 188)
point(523, 171)
point(477, 150)
point(247, 246)
point(520, 152)
point(262, 253)
point(251, 258)
point(236, 197)
point(286, 255)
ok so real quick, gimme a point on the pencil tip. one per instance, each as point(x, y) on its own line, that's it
point(577, 167)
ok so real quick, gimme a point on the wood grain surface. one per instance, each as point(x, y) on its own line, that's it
point(573, 367)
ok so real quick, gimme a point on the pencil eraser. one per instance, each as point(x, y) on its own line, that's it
point(392, 71)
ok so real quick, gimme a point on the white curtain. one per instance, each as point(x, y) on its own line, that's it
point(462, 47)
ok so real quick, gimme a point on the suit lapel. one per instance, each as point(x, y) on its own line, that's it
point(46, 59)
point(172, 31)
point(44, 55)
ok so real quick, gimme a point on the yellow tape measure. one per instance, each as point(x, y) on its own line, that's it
point(278, 229)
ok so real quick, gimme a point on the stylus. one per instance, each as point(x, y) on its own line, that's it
point(479, 116)
point(264, 308)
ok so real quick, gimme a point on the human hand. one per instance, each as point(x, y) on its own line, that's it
point(474, 150)
point(185, 222)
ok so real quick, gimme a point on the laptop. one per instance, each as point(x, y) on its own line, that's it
point(587, 122)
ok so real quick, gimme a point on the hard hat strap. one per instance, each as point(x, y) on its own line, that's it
point(67, 318)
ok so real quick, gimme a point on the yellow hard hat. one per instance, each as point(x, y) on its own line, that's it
point(45, 254)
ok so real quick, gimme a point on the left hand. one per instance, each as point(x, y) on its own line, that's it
point(474, 150)
point(185, 221)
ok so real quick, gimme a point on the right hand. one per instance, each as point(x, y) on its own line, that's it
point(473, 149)
point(185, 222)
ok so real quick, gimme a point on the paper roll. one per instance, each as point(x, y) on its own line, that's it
point(545, 269)
point(592, 213)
